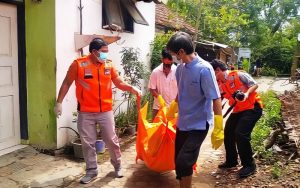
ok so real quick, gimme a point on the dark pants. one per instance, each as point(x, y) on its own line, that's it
point(187, 147)
point(237, 135)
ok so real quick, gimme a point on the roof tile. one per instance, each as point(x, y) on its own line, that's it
point(166, 17)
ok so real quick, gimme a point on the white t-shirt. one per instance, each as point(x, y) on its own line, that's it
point(166, 85)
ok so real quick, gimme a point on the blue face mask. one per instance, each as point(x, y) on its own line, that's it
point(102, 55)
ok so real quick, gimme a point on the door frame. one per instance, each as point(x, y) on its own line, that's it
point(21, 66)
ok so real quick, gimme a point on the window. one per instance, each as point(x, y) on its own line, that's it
point(120, 15)
point(134, 12)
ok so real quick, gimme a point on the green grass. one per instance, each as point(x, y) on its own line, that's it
point(276, 171)
point(267, 122)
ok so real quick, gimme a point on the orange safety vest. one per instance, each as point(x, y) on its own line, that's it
point(233, 84)
point(93, 85)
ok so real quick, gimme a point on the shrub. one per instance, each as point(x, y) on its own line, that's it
point(159, 42)
point(267, 71)
point(148, 98)
point(134, 74)
point(246, 65)
point(276, 171)
point(271, 115)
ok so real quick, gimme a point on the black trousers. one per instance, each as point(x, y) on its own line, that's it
point(237, 135)
point(187, 148)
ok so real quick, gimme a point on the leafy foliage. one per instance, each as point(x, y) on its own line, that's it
point(134, 69)
point(268, 27)
point(276, 171)
point(271, 115)
point(121, 120)
point(278, 54)
point(267, 71)
point(134, 73)
point(246, 65)
point(148, 98)
point(157, 45)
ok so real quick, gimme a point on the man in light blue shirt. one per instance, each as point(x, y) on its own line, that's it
point(197, 88)
point(198, 98)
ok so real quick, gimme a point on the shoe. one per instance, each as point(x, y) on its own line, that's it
point(226, 165)
point(88, 178)
point(119, 173)
point(247, 171)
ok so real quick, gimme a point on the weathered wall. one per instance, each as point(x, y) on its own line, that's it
point(40, 60)
point(67, 22)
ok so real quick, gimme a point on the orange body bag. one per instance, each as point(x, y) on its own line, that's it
point(155, 143)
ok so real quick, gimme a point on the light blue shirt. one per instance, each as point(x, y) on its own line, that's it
point(197, 87)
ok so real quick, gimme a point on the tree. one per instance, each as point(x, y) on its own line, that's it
point(268, 27)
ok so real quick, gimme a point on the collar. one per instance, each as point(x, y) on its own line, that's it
point(194, 61)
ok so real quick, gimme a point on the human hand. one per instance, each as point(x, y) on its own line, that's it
point(246, 96)
point(58, 109)
point(217, 136)
point(136, 91)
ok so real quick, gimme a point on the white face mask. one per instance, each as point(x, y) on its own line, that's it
point(176, 60)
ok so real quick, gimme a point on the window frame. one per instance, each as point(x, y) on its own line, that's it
point(124, 12)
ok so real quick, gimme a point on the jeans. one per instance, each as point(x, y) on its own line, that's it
point(237, 135)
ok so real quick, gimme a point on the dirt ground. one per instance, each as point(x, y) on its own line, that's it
point(282, 170)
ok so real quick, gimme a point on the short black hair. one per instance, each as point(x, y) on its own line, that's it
point(216, 63)
point(166, 54)
point(96, 44)
point(181, 40)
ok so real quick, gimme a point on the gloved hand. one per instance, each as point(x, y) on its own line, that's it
point(136, 91)
point(58, 109)
point(217, 136)
point(161, 101)
point(173, 109)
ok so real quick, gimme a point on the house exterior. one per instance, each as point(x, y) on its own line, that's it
point(37, 40)
point(212, 50)
point(167, 20)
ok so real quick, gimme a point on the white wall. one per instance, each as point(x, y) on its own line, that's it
point(68, 22)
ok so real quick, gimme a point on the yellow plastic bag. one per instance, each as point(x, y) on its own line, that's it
point(217, 136)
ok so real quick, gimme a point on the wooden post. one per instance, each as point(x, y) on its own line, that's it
point(80, 10)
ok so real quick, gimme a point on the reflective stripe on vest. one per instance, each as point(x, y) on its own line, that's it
point(233, 84)
point(93, 86)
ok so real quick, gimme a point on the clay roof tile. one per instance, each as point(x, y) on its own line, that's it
point(166, 17)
